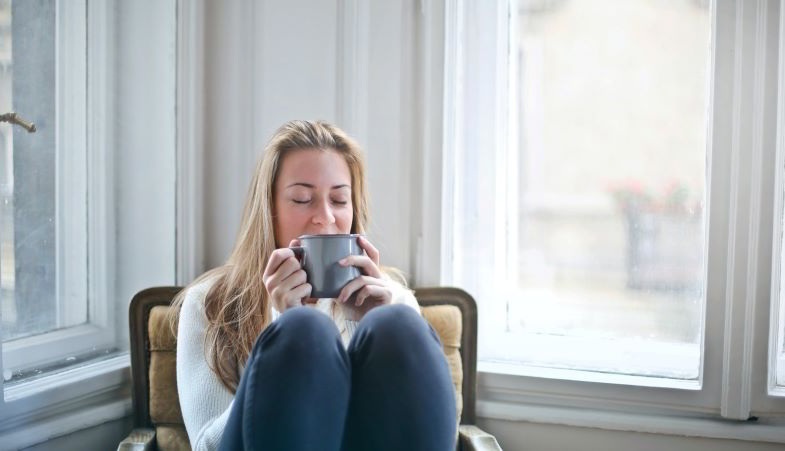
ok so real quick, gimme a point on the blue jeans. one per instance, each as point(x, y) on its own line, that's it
point(301, 390)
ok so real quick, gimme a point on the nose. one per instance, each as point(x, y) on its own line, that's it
point(323, 214)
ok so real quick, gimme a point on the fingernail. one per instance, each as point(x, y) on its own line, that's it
point(342, 262)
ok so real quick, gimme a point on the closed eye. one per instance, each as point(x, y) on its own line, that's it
point(302, 202)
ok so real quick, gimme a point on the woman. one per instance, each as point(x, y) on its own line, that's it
point(261, 365)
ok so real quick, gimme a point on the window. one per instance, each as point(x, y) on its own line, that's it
point(598, 190)
point(45, 215)
point(88, 200)
point(605, 198)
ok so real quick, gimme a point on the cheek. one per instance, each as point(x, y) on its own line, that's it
point(292, 216)
point(344, 220)
point(289, 223)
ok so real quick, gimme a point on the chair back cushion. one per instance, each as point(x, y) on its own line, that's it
point(446, 320)
point(164, 403)
point(165, 411)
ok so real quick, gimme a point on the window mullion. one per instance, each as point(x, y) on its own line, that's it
point(100, 163)
point(746, 242)
point(776, 368)
point(71, 207)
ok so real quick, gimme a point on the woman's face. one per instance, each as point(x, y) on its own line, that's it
point(313, 195)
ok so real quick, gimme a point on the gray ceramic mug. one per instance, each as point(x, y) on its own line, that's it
point(319, 256)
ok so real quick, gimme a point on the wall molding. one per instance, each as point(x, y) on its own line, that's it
point(353, 54)
point(60, 425)
point(190, 140)
point(748, 236)
point(777, 308)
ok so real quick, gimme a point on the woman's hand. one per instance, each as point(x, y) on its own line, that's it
point(285, 279)
point(368, 290)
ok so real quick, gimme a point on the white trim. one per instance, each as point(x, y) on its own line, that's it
point(190, 140)
point(728, 376)
point(40, 349)
point(776, 360)
point(451, 138)
point(744, 234)
point(253, 80)
point(503, 252)
point(42, 431)
point(430, 164)
point(100, 164)
point(70, 163)
point(690, 426)
point(353, 54)
point(64, 391)
point(581, 375)
point(112, 366)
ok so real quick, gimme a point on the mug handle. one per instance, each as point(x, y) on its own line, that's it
point(299, 254)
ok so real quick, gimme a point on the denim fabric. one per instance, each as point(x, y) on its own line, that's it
point(301, 390)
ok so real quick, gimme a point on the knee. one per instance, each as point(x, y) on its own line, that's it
point(397, 326)
point(299, 330)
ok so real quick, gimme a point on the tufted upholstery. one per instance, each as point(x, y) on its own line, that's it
point(154, 344)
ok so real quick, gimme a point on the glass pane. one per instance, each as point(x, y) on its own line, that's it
point(612, 149)
point(28, 225)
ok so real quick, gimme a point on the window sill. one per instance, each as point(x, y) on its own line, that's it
point(601, 401)
point(587, 376)
point(757, 431)
point(65, 402)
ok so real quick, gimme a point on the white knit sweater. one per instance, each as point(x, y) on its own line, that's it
point(204, 401)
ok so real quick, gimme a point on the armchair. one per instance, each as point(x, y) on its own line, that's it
point(158, 423)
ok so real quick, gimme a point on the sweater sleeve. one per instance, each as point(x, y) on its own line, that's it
point(204, 401)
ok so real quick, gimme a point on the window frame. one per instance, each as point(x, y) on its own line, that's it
point(776, 379)
point(72, 181)
point(737, 257)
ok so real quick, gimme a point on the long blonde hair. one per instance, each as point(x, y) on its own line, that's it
point(237, 304)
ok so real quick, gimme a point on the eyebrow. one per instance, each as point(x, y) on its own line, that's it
point(308, 185)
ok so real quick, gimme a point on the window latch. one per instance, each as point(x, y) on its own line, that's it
point(13, 118)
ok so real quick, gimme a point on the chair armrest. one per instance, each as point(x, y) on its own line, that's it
point(138, 440)
point(473, 438)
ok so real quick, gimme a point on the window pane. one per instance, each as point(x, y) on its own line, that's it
point(609, 124)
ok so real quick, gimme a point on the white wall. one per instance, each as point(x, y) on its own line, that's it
point(344, 61)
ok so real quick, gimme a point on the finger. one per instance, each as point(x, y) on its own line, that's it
point(369, 249)
point(355, 284)
point(300, 293)
point(294, 280)
point(284, 270)
point(294, 298)
point(294, 242)
point(276, 258)
point(363, 262)
point(373, 293)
